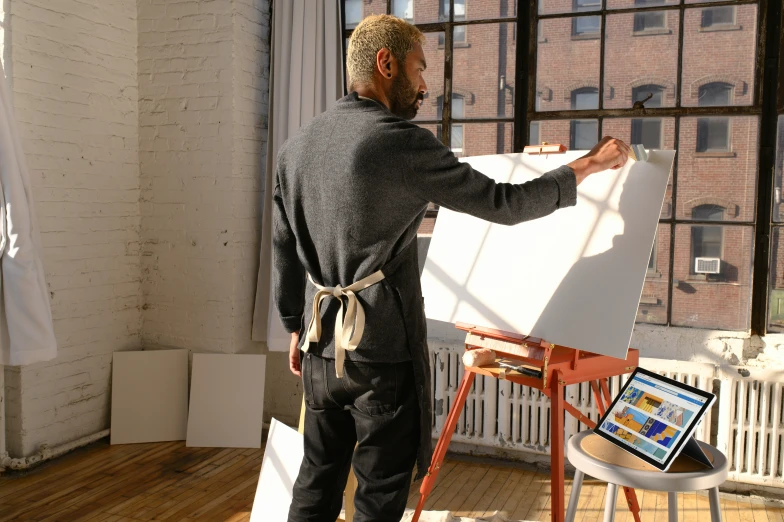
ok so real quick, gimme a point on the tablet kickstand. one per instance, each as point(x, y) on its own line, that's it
point(693, 450)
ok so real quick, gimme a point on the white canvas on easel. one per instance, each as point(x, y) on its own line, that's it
point(149, 396)
point(573, 278)
point(279, 469)
point(227, 401)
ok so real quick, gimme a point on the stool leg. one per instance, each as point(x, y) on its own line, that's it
point(574, 496)
point(672, 506)
point(715, 505)
point(609, 503)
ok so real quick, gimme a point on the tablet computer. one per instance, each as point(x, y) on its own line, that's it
point(653, 417)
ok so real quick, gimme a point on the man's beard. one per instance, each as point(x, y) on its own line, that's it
point(404, 98)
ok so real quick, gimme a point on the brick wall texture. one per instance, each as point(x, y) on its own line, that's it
point(144, 126)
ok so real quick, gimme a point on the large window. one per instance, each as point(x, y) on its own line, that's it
point(713, 134)
point(667, 74)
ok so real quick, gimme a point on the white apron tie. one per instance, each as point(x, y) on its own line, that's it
point(355, 317)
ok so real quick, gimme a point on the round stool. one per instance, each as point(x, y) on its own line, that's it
point(592, 455)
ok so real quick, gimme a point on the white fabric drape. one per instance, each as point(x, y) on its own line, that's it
point(306, 78)
point(26, 330)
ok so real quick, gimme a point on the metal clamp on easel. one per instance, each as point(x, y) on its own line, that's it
point(545, 148)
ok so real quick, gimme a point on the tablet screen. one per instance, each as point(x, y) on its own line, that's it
point(653, 416)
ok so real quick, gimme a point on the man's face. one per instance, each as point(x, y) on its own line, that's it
point(409, 87)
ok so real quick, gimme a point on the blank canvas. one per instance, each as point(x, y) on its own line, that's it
point(227, 401)
point(149, 396)
point(573, 278)
point(279, 469)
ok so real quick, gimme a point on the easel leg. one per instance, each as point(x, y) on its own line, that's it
point(557, 448)
point(443, 442)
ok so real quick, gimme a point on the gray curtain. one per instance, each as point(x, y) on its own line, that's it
point(306, 78)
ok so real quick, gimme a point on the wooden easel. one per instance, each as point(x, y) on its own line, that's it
point(557, 367)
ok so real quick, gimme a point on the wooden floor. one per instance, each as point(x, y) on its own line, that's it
point(168, 481)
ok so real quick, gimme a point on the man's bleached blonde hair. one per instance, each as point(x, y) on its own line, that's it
point(370, 36)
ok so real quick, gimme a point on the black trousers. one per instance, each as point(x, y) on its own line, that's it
point(373, 407)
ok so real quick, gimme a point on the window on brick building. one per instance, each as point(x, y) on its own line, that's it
point(713, 134)
point(648, 131)
point(649, 20)
point(585, 98)
point(403, 9)
point(707, 242)
point(586, 26)
point(584, 133)
point(718, 16)
point(459, 35)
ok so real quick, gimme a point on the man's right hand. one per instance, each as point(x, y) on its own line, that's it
point(294, 365)
point(607, 154)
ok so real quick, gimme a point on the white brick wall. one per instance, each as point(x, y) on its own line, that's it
point(144, 124)
point(73, 66)
point(203, 74)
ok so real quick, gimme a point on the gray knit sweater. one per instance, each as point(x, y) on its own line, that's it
point(351, 189)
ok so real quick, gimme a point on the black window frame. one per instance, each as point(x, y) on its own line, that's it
point(768, 105)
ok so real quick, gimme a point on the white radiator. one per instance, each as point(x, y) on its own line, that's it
point(751, 425)
point(499, 414)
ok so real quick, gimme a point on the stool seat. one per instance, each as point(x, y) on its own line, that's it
point(592, 455)
point(604, 461)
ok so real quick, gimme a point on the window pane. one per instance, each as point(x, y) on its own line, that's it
point(584, 134)
point(630, 72)
point(484, 70)
point(778, 211)
point(653, 302)
point(626, 4)
point(403, 9)
point(647, 132)
point(564, 65)
point(719, 59)
point(712, 277)
point(776, 303)
point(565, 132)
point(357, 10)
point(434, 77)
point(423, 11)
point(533, 134)
point(717, 165)
point(484, 9)
point(568, 6)
point(479, 139)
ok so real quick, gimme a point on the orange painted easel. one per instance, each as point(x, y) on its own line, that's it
point(557, 367)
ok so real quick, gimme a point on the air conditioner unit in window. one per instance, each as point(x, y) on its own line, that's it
point(707, 265)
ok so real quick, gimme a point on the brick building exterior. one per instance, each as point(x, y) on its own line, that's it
point(717, 156)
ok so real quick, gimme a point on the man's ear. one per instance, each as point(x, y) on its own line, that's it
point(386, 63)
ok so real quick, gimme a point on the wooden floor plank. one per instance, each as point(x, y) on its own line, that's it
point(169, 481)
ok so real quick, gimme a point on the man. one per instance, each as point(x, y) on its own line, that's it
point(350, 192)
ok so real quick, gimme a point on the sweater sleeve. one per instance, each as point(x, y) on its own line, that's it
point(435, 175)
point(288, 272)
